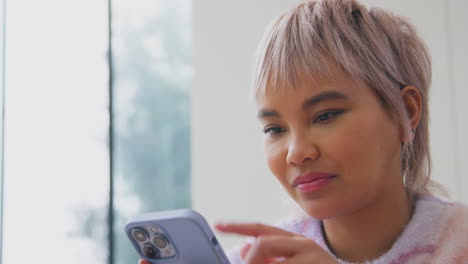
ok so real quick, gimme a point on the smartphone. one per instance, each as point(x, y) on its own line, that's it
point(175, 237)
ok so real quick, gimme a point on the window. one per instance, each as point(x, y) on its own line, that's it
point(58, 179)
point(152, 70)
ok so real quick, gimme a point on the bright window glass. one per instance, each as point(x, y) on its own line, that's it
point(152, 72)
point(56, 156)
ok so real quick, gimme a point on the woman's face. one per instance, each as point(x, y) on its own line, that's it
point(331, 145)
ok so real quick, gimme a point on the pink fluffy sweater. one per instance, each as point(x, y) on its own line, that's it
point(437, 233)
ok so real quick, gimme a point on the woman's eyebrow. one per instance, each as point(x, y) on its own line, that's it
point(267, 113)
point(324, 96)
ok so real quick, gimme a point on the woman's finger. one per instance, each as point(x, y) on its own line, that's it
point(244, 250)
point(142, 261)
point(252, 230)
point(305, 259)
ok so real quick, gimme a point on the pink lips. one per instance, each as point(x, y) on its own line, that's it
point(312, 181)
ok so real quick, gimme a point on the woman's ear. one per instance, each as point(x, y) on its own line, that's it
point(413, 104)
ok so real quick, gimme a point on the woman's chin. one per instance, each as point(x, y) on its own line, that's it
point(320, 209)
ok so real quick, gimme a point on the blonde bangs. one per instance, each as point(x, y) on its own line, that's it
point(374, 46)
point(289, 51)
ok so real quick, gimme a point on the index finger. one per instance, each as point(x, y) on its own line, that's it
point(254, 230)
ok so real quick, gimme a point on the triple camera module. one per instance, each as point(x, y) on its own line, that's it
point(153, 242)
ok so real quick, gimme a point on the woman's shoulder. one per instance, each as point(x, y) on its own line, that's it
point(448, 219)
point(438, 229)
point(444, 211)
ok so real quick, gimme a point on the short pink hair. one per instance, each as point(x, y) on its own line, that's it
point(371, 45)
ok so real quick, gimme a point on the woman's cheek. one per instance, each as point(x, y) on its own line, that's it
point(276, 159)
point(349, 150)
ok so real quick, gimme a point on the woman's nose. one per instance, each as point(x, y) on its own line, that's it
point(301, 150)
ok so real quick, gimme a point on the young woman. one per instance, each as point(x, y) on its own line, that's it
point(342, 95)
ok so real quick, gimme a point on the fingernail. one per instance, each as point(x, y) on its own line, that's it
point(221, 225)
point(245, 249)
point(271, 261)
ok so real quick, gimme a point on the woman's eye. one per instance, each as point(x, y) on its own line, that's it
point(273, 130)
point(322, 118)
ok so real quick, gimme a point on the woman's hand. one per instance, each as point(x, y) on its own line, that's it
point(274, 245)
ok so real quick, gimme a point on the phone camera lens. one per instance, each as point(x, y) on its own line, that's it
point(160, 241)
point(139, 235)
point(150, 251)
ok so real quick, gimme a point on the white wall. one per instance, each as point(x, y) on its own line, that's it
point(457, 21)
point(230, 178)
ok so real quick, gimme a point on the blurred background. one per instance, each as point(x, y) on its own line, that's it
point(115, 107)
